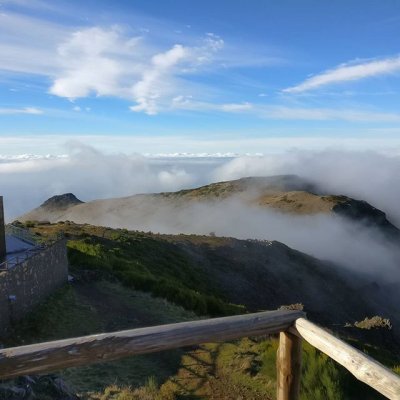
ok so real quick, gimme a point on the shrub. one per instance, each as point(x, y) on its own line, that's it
point(374, 322)
point(151, 266)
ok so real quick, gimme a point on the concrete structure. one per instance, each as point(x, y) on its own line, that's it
point(30, 282)
point(2, 232)
point(30, 273)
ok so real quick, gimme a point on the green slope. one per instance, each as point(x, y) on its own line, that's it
point(132, 279)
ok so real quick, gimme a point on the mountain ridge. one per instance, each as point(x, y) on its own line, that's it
point(282, 193)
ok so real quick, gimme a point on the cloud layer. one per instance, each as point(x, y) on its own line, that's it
point(91, 174)
point(27, 181)
point(324, 236)
point(364, 175)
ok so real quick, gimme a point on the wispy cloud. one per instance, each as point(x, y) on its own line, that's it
point(282, 112)
point(28, 44)
point(348, 72)
point(153, 82)
point(232, 107)
point(25, 110)
point(325, 114)
point(162, 77)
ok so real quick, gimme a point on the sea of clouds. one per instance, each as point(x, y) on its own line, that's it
point(28, 180)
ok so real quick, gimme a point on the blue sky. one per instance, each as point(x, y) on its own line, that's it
point(199, 76)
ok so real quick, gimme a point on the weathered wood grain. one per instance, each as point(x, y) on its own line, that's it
point(50, 356)
point(360, 365)
point(288, 363)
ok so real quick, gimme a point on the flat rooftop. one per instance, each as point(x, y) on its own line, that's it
point(16, 247)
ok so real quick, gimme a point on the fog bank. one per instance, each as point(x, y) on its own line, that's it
point(26, 182)
point(325, 236)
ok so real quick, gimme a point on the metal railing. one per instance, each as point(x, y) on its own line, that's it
point(22, 234)
point(30, 238)
point(22, 256)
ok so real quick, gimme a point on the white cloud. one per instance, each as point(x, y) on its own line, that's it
point(149, 89)
point(348, 72)
point(150, 69)
point(90, 62)
point(236, 107)
point(188, 103)
point(106, 62)
point(26, 110)
point(162, 78)
point(92, 173)
point(88, 173)
point(366, 175)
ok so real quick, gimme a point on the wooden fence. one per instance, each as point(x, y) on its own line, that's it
point(291, 326)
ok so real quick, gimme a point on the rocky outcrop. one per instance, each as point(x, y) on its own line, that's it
point(61, 202)
point(361, 211)
point(52, 209)
point(45, 387)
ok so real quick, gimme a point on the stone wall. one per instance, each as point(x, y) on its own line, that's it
point(2, 232)
point(30, 282)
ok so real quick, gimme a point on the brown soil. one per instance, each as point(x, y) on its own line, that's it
point(299, 202)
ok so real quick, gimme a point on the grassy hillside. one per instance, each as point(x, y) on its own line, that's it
point(132, 279)
point(223, 276)
point(210, 275)
point(103, 306)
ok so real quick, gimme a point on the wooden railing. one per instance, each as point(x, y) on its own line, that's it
point(291, 325)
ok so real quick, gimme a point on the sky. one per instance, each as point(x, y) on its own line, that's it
point(199, 77)
point(113, 98)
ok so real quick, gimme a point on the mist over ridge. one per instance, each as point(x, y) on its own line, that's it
point(91, 174)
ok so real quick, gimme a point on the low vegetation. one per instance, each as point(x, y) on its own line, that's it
point(132, 279)
point(146, 264)
point(374, 322)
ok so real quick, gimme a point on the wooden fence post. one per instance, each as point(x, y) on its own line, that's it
point(288, 365)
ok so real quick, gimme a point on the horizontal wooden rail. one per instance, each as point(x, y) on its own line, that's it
point(364, 368)
point(51, 356)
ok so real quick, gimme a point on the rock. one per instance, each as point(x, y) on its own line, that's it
point(37, 387)
point(358, 210)
point(61, 202)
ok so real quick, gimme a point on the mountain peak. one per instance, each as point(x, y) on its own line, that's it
point(61, 201)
